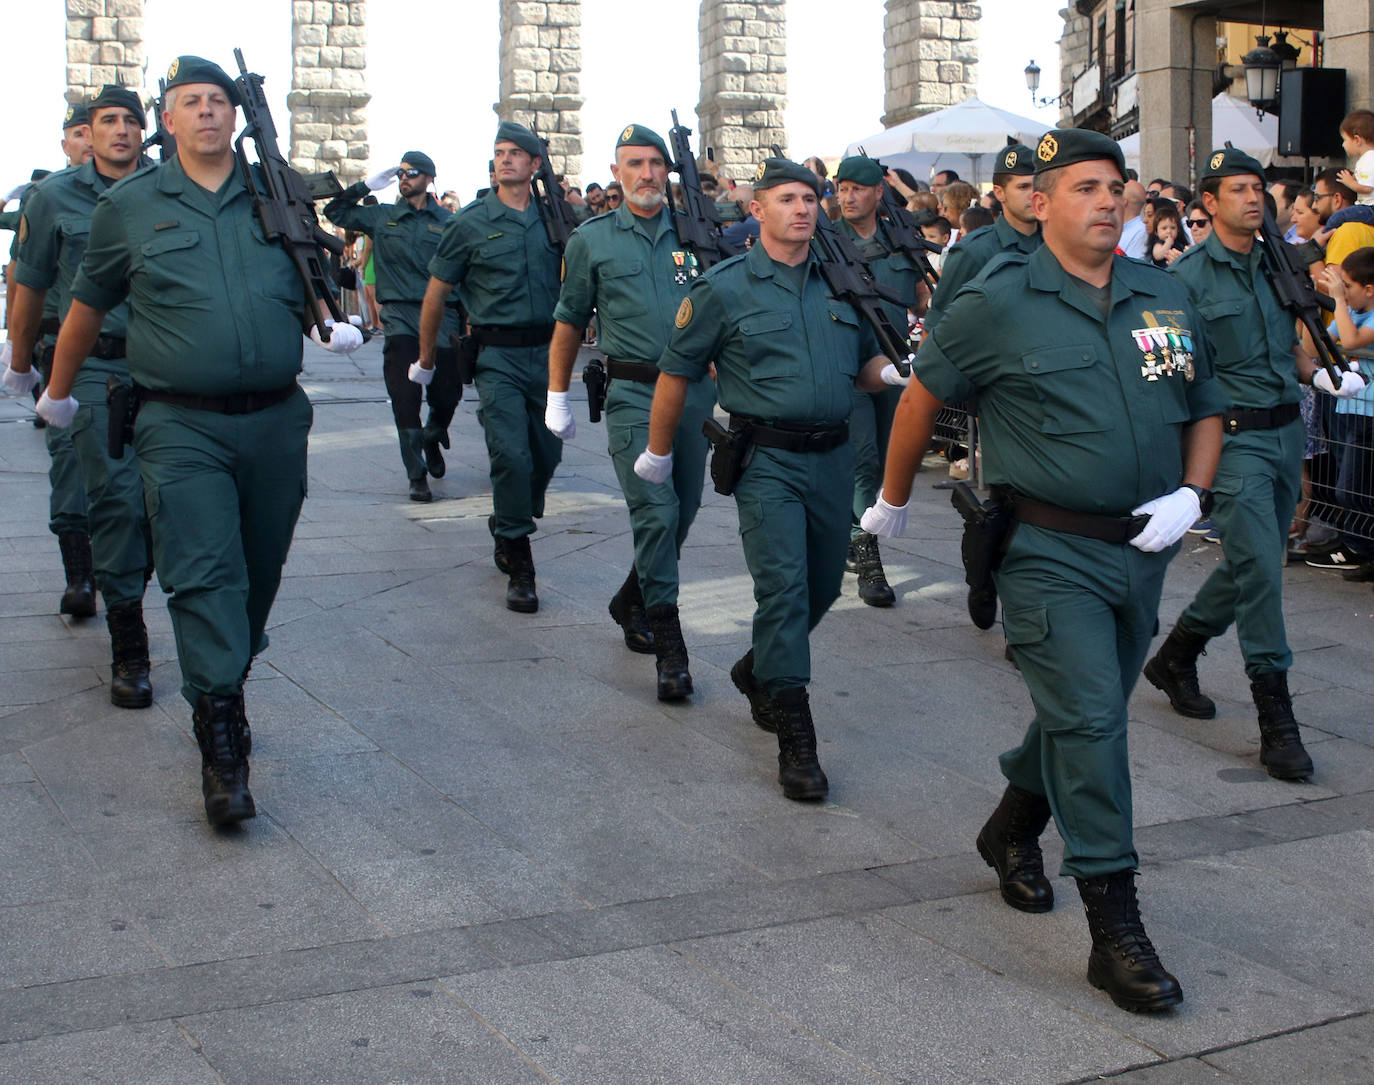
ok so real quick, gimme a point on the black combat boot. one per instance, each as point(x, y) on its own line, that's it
point(413, 459)
point(79, 598)
point(1281, 750)
point(520, 593)
point(434, 455)
point(670, 653)
point(218, 724)
point(498, 554)
point(627, 608)
point(1123, 961)
point(873, 586)
point(799, 771)
point(1010, 844)
point(760, 704)
point(982, 605)
point(1174, 670)
point(129, 684)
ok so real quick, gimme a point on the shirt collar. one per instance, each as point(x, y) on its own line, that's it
point(1010, 236)
point(1222, 255)
point(1047, 274)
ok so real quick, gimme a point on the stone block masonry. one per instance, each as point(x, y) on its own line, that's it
point(743, 50)
point(104, 45)
point(930, 56)
point(328, 99)
point(541, 75)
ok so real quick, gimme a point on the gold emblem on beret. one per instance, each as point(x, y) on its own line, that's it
point(1215, 163)
point(1010, 160)
point(758, 174)
point(684, 313)
point(629, 131)
point(71, 112)
point(172, 71)
point(1049, 147)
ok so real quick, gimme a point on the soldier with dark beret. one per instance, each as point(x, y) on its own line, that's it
point(498, 254)
point(1259, 366)
point(787, 357)
point(1100, 427)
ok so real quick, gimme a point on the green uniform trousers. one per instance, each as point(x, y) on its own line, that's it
point(224, 492)
point(67, 493)
point(660, 516)
point(512, 387)
point(115, 512)
point(1079, 615)
point(794, 523)
point(870, 425)
point(1256, 490)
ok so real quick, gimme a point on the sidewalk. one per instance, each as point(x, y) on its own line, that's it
point(485, 853)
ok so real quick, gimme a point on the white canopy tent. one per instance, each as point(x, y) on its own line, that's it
point(1233, 119)
point(962, 137)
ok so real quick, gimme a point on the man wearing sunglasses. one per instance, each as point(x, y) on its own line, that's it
point(405, 236)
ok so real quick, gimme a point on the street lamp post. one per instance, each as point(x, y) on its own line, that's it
point(1262, 67)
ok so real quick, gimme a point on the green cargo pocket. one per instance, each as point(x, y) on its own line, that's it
point(1026, 625)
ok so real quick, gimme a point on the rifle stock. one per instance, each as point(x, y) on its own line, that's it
point(903, 232)
point(161, 138)
point(851, 281)
point(697, 222)
point(554, 210)
point(1296, 292)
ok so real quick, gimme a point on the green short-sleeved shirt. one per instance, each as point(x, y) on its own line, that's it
point(781, 356)
point(1074, 410)
point(404, 241)
point(633, 272)
point(214, 307)
point(56, 226)
point(891, 267)
point(50, 299)
point(502, 262)
point(1252, 335)
point(969, 256)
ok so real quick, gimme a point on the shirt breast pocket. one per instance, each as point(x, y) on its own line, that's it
point(173, 266)
point(1068, 385)
point(1229, 327)
point(75, 236)
point(620, 290)
point(502, 263)
point(844, 334)
point(763, 335)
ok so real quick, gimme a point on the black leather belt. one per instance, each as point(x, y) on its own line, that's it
point(800, 439)
point(640, 372)
point(1088, 525)
point(491, 336)
point(49, 325)
point(239, 403)
point(1235, 419)
point(108, 347)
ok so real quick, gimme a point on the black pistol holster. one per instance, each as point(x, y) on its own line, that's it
point(730, 453)
point(594, 377)
point(466, 348)
point(122, 400)
point(987, 534)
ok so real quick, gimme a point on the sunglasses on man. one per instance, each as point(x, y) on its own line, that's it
point(1196, 224)
point(410, 173)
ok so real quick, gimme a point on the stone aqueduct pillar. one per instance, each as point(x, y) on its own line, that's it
point(328, 98)
point(541, 72)
point(930, 56)
point(743, 82)
point(104, 45)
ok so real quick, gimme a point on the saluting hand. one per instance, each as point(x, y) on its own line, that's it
point(379, 181)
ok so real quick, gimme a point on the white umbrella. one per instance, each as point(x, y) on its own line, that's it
point(1233, 121)
point(957, 138)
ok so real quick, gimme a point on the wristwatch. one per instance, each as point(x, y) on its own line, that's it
point(1204, 498)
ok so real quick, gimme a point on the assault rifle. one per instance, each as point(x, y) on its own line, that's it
point(1296, 293)
point(557, 213)
point(281, 200)
point(161, 138)
point(903, 232)
point(699, 225)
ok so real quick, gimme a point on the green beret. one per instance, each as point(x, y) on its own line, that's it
point(1016, 159)
point(1231, 162)
point(1065, 146)
point(522, 137)
point(193, 69)
point(860, 169)
point(420, 161)
point(75, 115)
point(636, 135)
point(783, 171)
point(113, 97)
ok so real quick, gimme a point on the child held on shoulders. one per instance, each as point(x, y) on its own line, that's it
point(1357, 137)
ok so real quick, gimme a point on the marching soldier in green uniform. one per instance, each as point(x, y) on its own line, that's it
point(787, 357)
point(67, 494)
point(1016, 230)
point(1258, 482)
point(859, 182)
point(53, 236)
point(497, 251)
point(628, 267)
point(405, 236)
point(1101, 435)
point(215, 316)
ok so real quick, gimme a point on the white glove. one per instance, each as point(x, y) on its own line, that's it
point(890, 376)
point(344, 338)
point(379, 181)
point(1352, 384)
point(884, 519)
point(652, 467)
point(1170, 517)
point(18, 383)
point(558, 417)
point(57, 412)
point(419, 374)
